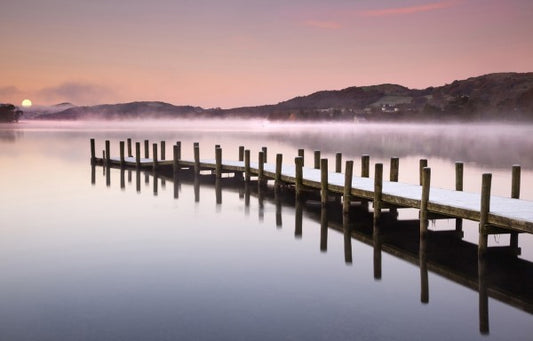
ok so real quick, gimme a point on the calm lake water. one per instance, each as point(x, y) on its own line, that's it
point(104, 261)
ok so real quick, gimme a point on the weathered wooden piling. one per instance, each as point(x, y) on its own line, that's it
point(107, 152)
point(426, 183)
point(130, 154)
point(298, 174)
point(196, 147)
point(241, 153)
point(178, 144)
point(247, 173)
point(279, 164)
point(324, 182)
point(459, 175)
point(365, 166)
point(121, 149)
point(264, 150)
point(515, 194)
point(378, 189)
point(422, 164)
point(394, 169)
point(163, 151)
point(155, 161)
point(348, 176)
point(301, 153)
point(261, 168)
point(484, 213)
point(338, 162)
point(138, 155)
point(176, 155)
point(146, 149)
point(317, 159)
point(93, 152)
point(218, 163)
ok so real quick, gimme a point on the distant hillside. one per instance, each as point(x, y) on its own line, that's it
point(498, 96)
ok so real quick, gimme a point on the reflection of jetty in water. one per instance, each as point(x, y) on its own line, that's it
point(490, 271)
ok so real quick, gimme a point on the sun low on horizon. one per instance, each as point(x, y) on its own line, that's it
point(26, 103)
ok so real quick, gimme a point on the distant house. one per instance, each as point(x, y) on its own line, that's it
point(388, 108)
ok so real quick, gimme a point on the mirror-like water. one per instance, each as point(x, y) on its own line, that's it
point(91, 261)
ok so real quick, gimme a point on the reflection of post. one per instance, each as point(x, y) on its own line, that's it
point(93, 174)
point(482, 253)
point(122, 179)
point(138, 181)
point(424, 284)
point(483, 295)
point(261, 198)
point(247, 198)
point(459, 172)
point(324, 229)
point(108, 176)
point(347, 229)
point(218, 191)
point(377, 250)
point(196, 189)
point(176, 185)
point(129, 176)
point(277, 199)
point(156, 178)
point(298, 216)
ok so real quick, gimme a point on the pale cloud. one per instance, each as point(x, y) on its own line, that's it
point(9, 91)
point(326, 25)
point(408, 10)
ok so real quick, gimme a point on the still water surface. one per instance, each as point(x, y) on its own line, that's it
point(85, 261)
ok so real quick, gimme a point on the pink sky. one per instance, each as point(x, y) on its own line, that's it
point(250, 52)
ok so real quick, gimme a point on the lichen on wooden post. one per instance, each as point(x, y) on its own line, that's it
point(348, 176)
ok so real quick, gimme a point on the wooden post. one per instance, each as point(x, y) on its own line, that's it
point(484, 213)
point(317, 159)
point(426, 185)
point(324, 181)
point(176, 156)
point(146, 149)
point(155, 162)
point(365, 166)
point(301, 154)
point(130, 154)
point(196, 147)
point(423, 164)
point(107, 153)
point(121, 148)
point(348, 176)
point(247, 174)
point(241, 153)
point(218, 163)
point(264, 150)
point(394, 169)
point(163, 151)
point(459, 175)
point(338, 162)
point(217, 146)
point(378, 189)
point(515, 194)
point(261, 170)
point(279, 163)
point(138, 155)
point(298, 182)
point(93, 152)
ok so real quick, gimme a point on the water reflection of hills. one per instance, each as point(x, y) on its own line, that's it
point(498, 275)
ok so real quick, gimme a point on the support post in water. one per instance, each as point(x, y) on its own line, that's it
point(394, 169)
point(338, 162)
point(163, 151)
point(482, 252)
point(279, 163)
point(107, 152)
point(176, 158)
point(365, 166)
point(459, 175)
point(264, 150)
point(241, 153)
point(301, 153)
point(423, 164)
point(298, 181)
point(196, 147)
point(146, 149)
point(155, 162)
point(348, 175)
point(93, 152)
point(426, 185)
point(247, 174)
point(515, 194)
point(317, 159)
point(378, 189)
point(484, 212)
point(138, 155)
point(261, 168)
point(130, 154)
point(218, 163)
point(324, 182)
point(121, 148)
point(178, 152)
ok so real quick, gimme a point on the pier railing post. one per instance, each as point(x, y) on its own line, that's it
point(298, 174)
point(301, 154)
point(459, 176)
point(394, 169)
point(365, 166)
point(107, 153)
point(279, 162)
point(324, 181)
point(261, 168)
point(155, 162)
point(317, 159)
point(178, 151)
point(196, 147)
point(426, 185)
point(348, 176)
point(138, 155)
point(163, 151)
point(218, 163)
point(378, 189)
point(338, 162)
point(121, 148)
point(484, 212)
point(146, 149)
point(130, 154)
point(423, 164)
point(515, 194)
point(241, 153)
point(93, 152)
point(176, 158)
point(247, 174)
